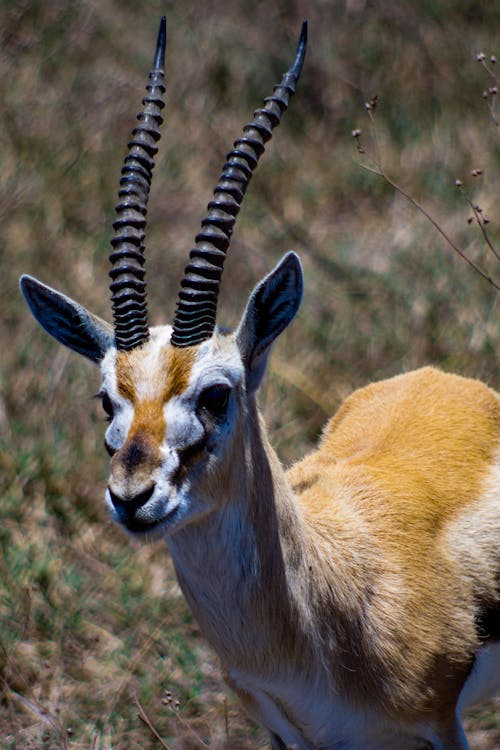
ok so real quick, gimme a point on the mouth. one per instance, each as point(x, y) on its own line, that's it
point(149, 528)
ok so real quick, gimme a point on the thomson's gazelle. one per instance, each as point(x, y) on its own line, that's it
point(353, 600)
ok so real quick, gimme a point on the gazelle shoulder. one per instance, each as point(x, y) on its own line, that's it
point(425, 440)
point(420, 402)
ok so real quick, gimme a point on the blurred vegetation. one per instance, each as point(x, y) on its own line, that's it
point(92, 627)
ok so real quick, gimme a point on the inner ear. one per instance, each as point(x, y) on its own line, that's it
point(271, 307)
point(67, 321)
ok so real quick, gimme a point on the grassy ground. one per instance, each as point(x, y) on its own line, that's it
point(93, 630)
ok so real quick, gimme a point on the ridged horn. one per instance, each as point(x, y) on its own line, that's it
point(195, 315)
point(128, 288)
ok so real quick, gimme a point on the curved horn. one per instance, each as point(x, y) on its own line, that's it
point(128, 288)
point(195, 315)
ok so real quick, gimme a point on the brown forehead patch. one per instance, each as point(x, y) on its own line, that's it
point(162, 373)
point(148, 425)
point(179, 363)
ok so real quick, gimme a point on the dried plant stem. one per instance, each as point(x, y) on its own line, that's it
point(380, 172)
point(189, 728)
point(49, 721)
point(490, 95)
point(481, 224)
point(134, 661)
point(147, 721)
point(226, 720)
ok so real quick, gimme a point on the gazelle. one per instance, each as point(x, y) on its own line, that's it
point(354, 599)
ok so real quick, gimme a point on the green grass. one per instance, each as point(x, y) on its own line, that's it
point(89, 622)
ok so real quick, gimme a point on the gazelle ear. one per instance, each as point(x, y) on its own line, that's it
point(271, 307)
point(66, 320)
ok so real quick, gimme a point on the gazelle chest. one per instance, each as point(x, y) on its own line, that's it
point(313, 716)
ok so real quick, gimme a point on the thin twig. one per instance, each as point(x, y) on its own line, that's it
point(189, 728)
point(172, 702)
point(434, 223)
point(380, 172)
point(226, 720)
point(134, 661)
point(480, 221)
point(490, 95)
point(47, 719)
point(147, 721)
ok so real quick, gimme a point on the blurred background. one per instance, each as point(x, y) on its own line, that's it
point(97, 647)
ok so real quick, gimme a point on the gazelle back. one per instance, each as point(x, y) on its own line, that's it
point(353, 600)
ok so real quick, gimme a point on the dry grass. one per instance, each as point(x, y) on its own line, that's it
point(93, 630)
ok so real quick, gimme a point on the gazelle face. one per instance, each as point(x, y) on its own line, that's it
point(174, 395)
point(172, 413)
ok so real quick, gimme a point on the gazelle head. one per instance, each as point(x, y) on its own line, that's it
point(176, 396)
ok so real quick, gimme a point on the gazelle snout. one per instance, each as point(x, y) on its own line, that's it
point(134, 463)
point(126, 507)
point(135, 469)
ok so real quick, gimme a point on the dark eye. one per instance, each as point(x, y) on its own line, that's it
point(107, 406)
point(214, 400)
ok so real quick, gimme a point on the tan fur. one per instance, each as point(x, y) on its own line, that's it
point(359, 574)
point(166, 375)
point(168, 372)
point(398, 463)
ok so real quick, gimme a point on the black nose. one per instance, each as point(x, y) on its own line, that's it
point(127, 506)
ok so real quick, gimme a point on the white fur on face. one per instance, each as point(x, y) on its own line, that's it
point(178, 494)
point(123, 411)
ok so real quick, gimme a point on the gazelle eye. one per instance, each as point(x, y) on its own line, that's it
point(214, 400)
point(107, 406)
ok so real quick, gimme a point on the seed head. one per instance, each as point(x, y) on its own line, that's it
point(372, 104)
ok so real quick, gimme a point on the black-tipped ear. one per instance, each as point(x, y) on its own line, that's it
point(66, 320)
point(271, 307)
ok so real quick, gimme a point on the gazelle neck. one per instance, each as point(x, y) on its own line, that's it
point(242, 568)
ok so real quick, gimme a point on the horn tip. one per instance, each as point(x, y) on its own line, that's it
point(301, 51)
point(159, 61)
